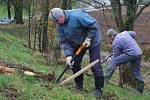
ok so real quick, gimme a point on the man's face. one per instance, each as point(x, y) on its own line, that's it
point(61, 20)
point(112, 38)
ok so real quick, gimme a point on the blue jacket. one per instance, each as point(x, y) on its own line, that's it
point(124, 43)
point(78, 25)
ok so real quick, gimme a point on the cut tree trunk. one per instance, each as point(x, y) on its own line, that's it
point(6, 70)
point(28, 72)
point(128, 76)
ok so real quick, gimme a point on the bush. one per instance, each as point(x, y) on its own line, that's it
point(106, 47)
point(146, 54)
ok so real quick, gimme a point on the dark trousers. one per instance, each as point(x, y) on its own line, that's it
point(97, 70)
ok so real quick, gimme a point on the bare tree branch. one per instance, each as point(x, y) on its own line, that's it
point(103, 6)
point(117, 13)
point(141, 10)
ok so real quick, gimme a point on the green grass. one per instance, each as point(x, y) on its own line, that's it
point(146, 53)
point(28, 88)
point(3, 12)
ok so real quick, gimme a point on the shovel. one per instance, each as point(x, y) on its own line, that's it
point(76, 54)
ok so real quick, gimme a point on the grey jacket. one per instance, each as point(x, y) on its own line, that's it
point(124, 43)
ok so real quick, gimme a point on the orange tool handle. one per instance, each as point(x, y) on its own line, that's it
point(80, 49)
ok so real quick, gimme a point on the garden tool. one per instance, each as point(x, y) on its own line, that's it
point(76, 54)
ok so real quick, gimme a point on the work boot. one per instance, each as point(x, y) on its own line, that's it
point(108, 75)
point(99, 84)
point(140, 86)
point(79, 83)
point(98, 93)
point(79, 86)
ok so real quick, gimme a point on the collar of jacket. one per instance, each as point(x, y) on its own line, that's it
point(66, 16)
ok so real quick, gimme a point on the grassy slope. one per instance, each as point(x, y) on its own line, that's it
point(12, 50)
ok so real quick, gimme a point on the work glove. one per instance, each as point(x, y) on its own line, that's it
point(68, 61)
point(87, 42)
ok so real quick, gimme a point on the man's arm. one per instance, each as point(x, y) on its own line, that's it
point(116, 47)
point(132, 34)
point(68, 50)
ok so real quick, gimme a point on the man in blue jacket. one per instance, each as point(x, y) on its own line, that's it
point(125, 49)
point(76, 27)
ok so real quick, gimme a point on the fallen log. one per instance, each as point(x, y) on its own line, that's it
point(28, 72)
point(6, 70)
point(65, 82)
point(13, 70)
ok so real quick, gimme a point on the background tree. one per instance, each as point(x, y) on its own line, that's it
point(66, 4)
point(45, 40)
point(18, 9)
point(27, 5)
point(9, 8)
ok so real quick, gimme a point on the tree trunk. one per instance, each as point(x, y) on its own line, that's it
point(125, 72)
point(117, 14)
point(120, 76)
point(69, 5)
point(130, 14)
point(9, 9)
point(45, 41)
point(18, 9)
point(40, 34)
point(35, 37)
point(29, 26)
point(128, 76)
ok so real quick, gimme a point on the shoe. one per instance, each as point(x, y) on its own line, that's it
point(140, 86)
point(98, 93)
point(79, 88)
point(108, 75)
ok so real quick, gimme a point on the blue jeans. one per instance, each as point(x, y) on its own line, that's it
point(96, 69)
point(135, 62)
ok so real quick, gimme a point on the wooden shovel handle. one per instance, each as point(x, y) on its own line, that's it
point(66, 81)
point(80, 49)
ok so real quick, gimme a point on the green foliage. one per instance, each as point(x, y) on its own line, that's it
point(3, 10)
point(106, 47)
point(146, 53)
